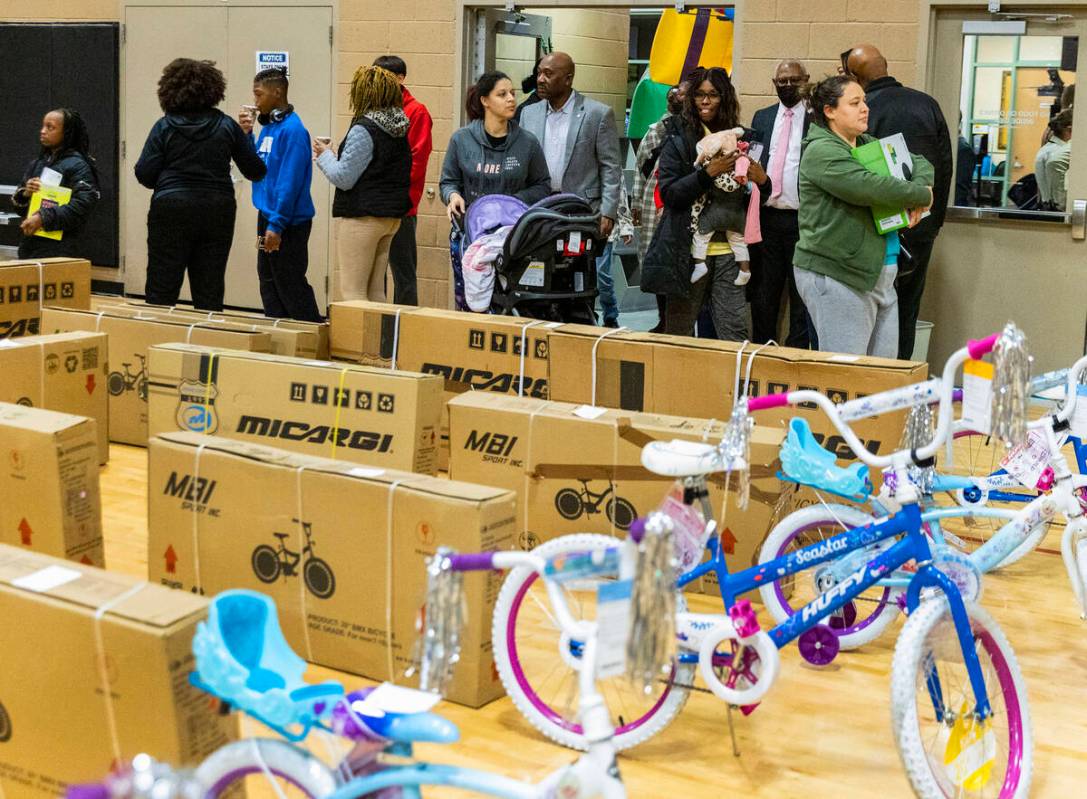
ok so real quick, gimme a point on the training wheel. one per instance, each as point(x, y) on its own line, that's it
point(819, 645)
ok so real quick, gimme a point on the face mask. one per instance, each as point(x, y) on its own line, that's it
point(789, 95)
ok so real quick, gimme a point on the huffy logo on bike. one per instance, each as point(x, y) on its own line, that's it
point(818, 607)
point(270, 563)
point(196, 407)
point(5, 724)
point(822, 550)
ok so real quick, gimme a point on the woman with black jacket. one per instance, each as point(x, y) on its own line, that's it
point(186, 161)
point(65, 147)
point(709, 106)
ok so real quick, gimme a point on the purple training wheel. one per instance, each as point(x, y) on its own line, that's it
point(819, 645)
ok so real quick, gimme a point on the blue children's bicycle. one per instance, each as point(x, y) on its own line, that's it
point(958, 704)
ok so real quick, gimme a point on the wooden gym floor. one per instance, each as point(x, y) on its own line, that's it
point(820, 732)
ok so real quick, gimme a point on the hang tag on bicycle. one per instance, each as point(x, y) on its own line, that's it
point(1027, 461)
point(612, 627)
point(1079, 418)
point(977, 396)
point(689, 526)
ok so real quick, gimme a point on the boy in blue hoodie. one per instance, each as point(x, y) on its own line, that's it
point(283, 201)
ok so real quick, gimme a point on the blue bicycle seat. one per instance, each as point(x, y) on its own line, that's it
point(807, 463)
point(243, 658)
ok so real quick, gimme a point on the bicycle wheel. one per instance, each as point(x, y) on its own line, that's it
point(539, 665)
point(858, 622)
point(955, 755)
point(116, 384)
point(295, 772)
point(265, 562)
point(976, 455)
point(568, 503)
point(620, 513)
point(319, 578)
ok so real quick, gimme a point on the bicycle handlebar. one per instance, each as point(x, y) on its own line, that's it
point(472, 561)
point(90, 791)
point(886, 401)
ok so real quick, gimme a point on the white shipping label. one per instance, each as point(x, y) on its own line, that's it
point(47, 579)
point(612, 627)
point(1027, 461)
point(977, 396)
point(575, 241)
point(1079, 418)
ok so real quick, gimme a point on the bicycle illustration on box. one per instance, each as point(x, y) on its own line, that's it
point(270, 562)
point(572, 503)
point(120, 382)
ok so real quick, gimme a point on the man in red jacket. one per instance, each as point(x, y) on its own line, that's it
point(402, 253)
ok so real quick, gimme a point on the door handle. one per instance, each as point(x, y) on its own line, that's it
point(1079, 220)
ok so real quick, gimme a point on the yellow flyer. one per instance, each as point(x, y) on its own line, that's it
point(49, 197)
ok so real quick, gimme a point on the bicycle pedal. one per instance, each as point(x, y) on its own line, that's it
point(747, 710)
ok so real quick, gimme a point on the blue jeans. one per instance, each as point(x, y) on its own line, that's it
point(605, 285)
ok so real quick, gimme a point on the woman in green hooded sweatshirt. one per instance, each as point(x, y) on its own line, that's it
point(845, 270)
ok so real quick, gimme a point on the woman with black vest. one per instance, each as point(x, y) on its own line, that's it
point(372, 176)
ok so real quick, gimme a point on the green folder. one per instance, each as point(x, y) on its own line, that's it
point(886, 157)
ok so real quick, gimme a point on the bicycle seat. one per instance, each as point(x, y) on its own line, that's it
point(804, 461)
point(679, 458)
point(282, 536)
point(243, 658)
point(391, 712)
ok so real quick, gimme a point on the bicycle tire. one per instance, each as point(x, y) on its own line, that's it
point(526, 697)
point(787, 532)
point(236, 761)
point(319, 578)
point(5, 725)
point(571, 499)
point(116, 384)
point(269, 566)
point(620, 513)
point(928, 637)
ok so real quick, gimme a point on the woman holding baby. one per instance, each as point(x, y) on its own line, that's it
point(698, 254)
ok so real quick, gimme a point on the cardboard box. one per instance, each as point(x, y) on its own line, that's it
point(129, 340)
point(472, 352)
point(79, 692)
point(297, 339)
point(577, 469)
point(65, 372)
point(888, 157)
point(682, 376)
point(25, 286)
point(49, 499)
point(320, 408)
point(354, 528)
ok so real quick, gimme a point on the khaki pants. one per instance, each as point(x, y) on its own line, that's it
point(363, 247)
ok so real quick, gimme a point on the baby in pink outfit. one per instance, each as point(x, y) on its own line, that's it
point(725, 141)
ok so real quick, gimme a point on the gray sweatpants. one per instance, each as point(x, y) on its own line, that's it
point(851, 321)
point(727, 302)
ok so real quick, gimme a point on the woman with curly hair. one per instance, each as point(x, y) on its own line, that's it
point(186, 161)
point(710, 106)
point(65, 148)
point(371, 171)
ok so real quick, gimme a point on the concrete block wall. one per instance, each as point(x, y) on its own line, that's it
point(59, 11)
point(817, 33)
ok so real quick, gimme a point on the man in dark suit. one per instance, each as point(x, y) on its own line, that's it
point(894, 108)
point(781, 128)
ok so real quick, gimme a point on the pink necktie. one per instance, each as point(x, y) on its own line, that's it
point(777, 167)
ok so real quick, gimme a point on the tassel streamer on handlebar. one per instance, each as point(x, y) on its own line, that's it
point(735, 449)
point(651, 645)
point(438, 627)
point(1011, 386)
point(919, 431)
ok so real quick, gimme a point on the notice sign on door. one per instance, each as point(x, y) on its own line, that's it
point(274, 59)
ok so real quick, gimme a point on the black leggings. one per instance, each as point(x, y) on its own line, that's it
point(186, 232)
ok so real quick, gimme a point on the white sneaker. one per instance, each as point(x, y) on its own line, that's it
point(742, 279)
point(700, 271)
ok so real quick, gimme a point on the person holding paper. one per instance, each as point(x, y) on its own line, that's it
point(845, 270)
point(59, 188)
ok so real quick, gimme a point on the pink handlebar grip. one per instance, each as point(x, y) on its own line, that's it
point(979, 348)
point(769, 401)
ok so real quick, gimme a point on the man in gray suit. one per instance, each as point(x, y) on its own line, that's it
point(582, 148)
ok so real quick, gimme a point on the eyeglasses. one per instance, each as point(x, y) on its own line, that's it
point(707, 96)
point(791, 81)
point(844, 68)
